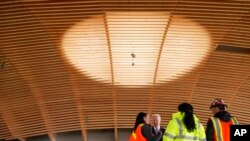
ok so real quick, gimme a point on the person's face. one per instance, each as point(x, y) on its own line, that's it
point(146, 119)
point(156, 120)
point(215, 110)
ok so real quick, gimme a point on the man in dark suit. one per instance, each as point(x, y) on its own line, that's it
point(156, 125)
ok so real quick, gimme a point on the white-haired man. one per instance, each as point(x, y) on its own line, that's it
point(156, 125)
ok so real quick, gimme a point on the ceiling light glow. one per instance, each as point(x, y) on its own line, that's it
point(163, 47)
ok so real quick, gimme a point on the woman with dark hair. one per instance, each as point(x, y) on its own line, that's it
point(184, 126)
point(142, 130)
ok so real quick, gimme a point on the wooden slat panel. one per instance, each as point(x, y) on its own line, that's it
point(39, 96)
point(242, 98)
point(4, 130)
point(19, 109)
point(222, 77)
point(129, 103)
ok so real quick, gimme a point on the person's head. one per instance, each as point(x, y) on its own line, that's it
point(141, 118)
point(156, 120)
point(188, 119)
point(217, 105)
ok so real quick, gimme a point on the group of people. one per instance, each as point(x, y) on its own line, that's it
point(185, 125)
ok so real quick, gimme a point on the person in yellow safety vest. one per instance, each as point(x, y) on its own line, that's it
point(218, 126)
point(184, 126)
point(142, 130)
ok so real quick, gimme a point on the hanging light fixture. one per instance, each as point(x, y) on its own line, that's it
point(133, 56)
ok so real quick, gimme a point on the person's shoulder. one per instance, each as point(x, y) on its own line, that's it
point(146, 126)
point(173, 122)
point(162, 129)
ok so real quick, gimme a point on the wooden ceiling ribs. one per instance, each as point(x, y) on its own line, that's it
point(158, 63)
point(43, 92)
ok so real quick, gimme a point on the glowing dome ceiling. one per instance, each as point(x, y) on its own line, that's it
point(139, 48)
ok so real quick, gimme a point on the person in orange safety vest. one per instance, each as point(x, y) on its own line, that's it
point(218, 126)
point(142, 130)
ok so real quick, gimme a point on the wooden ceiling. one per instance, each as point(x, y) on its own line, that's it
point(41, 92)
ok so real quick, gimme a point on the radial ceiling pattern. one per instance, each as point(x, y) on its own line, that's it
point(68, 65)
point(140, 46)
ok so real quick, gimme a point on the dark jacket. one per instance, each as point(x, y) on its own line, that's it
point(162, 131)
point(147, 133)
point(222, 115)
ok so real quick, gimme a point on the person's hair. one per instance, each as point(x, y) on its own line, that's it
point(156, 115)
point(139, 119)
point(188, 117)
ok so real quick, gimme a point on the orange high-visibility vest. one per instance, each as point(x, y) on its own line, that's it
point(222, 128)
point(137, 135)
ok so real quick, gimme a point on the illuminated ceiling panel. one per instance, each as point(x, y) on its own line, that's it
point(85, 46)
point(135, 48)
point(186, 45)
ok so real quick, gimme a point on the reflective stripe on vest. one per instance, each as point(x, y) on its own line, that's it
point(134, 135)
point(234, 121)
point(182, 136)
point(221, 135)
point(217, 129)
